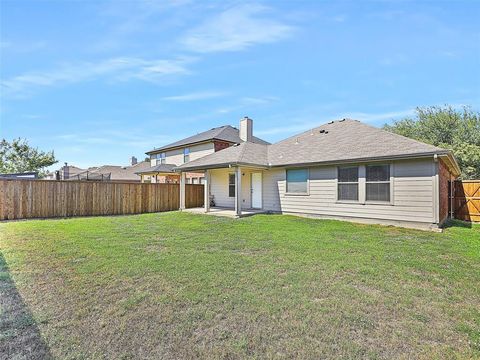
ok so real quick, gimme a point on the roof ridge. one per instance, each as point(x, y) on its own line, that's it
point(316, 127)
point(244, 144)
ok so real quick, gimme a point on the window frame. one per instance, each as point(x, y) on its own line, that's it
point(186, 155)
point(337, 193)
point(232, 184)
point(390, 182)
point(307, 193)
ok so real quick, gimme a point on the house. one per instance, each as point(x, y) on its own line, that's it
point(166, 158)
point(343, 170)
point(103, 173)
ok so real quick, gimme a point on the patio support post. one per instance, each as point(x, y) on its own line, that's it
point(206, 191)
point(238, 191)
point(182, 190)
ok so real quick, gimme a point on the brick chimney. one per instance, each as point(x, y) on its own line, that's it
point(66, 173)
point(133, 160)
point(246, 129)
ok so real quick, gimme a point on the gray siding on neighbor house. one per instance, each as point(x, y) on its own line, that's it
point(413, 190)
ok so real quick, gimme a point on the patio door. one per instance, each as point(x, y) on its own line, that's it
point(256, 190)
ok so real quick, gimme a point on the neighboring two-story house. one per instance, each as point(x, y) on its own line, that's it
point(163, 160)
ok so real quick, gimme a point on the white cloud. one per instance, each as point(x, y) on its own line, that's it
point(298, 124)
point(236, 29)
point(120, 69)
point(203, 95)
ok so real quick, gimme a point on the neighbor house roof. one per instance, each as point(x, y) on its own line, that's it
point(338, 141)
point(117, 172)
point(161, 168)
point(224, 133)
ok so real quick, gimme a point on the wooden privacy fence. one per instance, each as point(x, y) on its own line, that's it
point(25, 199)
point(466, 200)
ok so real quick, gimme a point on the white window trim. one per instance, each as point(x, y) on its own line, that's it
point(234, 185)
point(351, 183)
point(362, 186)
point(308, 183)
point(377, 202)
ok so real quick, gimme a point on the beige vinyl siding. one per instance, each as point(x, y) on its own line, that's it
point(219, 188)
point(413, 193)
point(196, 152)
point(201, 150)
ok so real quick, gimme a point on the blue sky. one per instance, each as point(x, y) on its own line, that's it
point(99, 81)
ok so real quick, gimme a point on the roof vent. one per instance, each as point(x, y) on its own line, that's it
point(322, 131)
point(296, 141)
point(343, 120)
point(331, 122)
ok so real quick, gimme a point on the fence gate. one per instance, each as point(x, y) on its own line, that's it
point(466, 200)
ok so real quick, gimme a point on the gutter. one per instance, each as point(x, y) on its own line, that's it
point(442, 154)
point(367, 159)
point(220, 166)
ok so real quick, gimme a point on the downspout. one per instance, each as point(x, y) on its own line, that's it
point(436, 189)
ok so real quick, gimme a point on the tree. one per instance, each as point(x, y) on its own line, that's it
point(449, 128)
point(18, 156)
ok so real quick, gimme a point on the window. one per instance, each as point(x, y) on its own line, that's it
point(186, 155)
point(348, 183)
point(194, 180)
point(297, 181)
point(202, 180)
point(163, 158)
point(378, 183)
point(231, 185)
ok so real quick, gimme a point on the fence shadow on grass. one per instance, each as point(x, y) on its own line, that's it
point(19, 334)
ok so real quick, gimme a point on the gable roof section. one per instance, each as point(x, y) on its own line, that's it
point(224, 133)
point(338, 141)
point(345, 140)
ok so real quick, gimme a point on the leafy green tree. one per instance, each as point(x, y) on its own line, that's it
point(18, 156)
point(449, 128)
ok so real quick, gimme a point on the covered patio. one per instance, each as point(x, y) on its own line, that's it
point(234, 191)
point(233, 180)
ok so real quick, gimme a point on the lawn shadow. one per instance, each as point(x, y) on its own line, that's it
point(457, 223)
point(19, 334)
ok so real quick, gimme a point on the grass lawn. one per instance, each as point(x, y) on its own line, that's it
point(177, 285)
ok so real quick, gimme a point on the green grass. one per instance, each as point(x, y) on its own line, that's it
point(178, 285)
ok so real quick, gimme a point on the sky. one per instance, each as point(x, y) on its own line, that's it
point(100, 81)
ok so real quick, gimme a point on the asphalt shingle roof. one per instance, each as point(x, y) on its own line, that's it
point(225, 133)
point(341, 140)
point(344, 140)
point(161, 168)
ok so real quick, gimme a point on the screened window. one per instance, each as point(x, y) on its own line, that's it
point(378, 183)
point(297, 181)
point(231, 185)
point(348, 183)
point(186, 155)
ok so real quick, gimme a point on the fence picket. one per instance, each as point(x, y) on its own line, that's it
point(25, 198)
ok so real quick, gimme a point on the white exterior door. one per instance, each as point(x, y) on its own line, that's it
point(257, 190)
